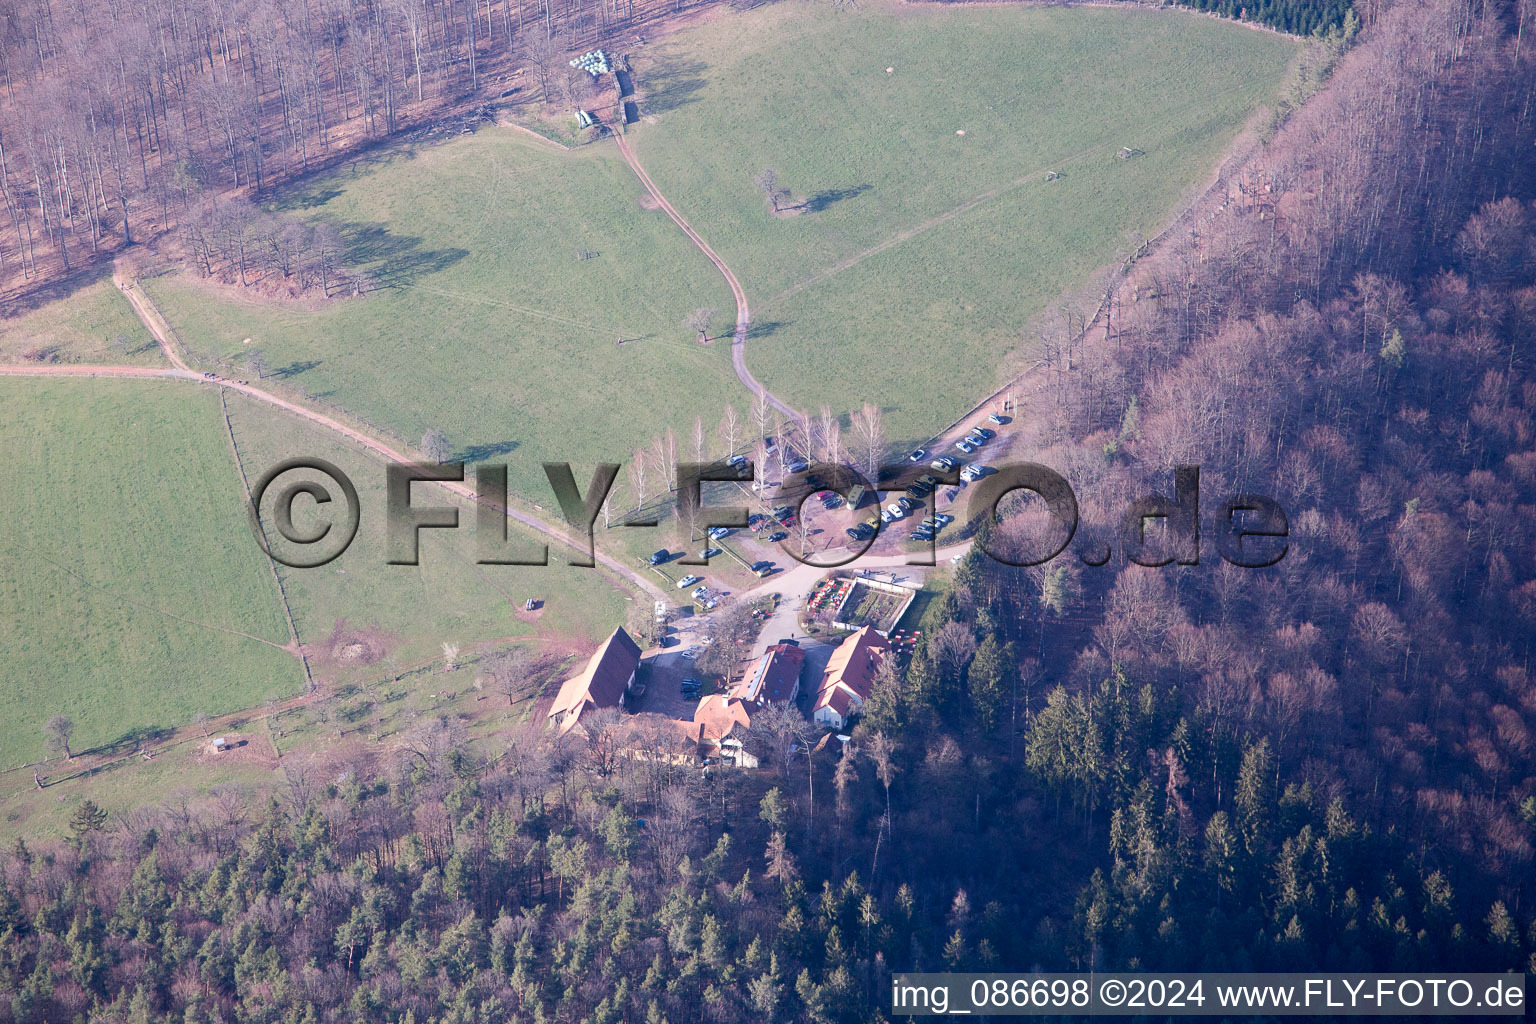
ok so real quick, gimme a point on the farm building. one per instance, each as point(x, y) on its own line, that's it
point(773, 677)
point(604, 683)
point(723, 722)
point(849, 678)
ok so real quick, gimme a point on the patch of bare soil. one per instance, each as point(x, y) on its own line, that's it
point(347, 646)
point(241, 748)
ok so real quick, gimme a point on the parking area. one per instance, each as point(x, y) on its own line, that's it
point(665, 671)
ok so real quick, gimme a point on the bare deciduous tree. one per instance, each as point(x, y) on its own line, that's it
point(767, 182)
point(868, 425)
point(434, 444)
point(56, 731)
point(729, 430)
point(698, 321)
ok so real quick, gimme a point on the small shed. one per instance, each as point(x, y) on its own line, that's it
point(220, 744)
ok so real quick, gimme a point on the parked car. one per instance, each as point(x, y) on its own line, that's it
point(690, 654)
point(689, 581)
point(781, 511)
point(984, 432)
point(944, 464)
point(922, 535)
point(858, 533)
point(887, 516)
point(762, 568)
point(999, 420)
point(708, 553)
point(700, 593)
point(917, 455)
point(777, 536)
point(832, 501)
point(944, 518)
point(756, 521)
point(660, 556)
point(716, 532)
point(736, 461)
point(975, 440)
point(965, 446)
point(906, 504)
point(919, 491)
point(796, 467)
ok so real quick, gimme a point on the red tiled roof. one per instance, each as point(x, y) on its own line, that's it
point(774, 676)
point(838, 698)
point(601, 684)
point(718, 716)
point(854, 663)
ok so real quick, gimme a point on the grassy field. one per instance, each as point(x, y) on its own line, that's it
point(92, 324)
point(407, 612)
point(906, 272)
point(132, 594)
point(299, 741)
point(914, 255)
point(487, 325)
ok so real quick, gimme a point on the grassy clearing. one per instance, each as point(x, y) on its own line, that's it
point(315, 741)
point(92, 324)
point(123, 511)
point(413, 610)
point(920, 254)
point(912, 263)
point(489, 326)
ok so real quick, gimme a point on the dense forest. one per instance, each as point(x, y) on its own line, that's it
point(1298, 17)
point(1323, 764)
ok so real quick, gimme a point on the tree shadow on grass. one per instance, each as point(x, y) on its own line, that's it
point(763, 328)
point(133, 739)
point(294, 369)
point(819, 201)
point(683, 79)
point(52, 291)
point(311, 200)
point(482, 452)
point(391, 260)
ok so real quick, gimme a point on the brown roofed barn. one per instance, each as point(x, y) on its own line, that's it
point(609, 674)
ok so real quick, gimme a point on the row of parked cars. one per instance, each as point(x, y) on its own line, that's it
point(977, 437)
point(932, 525)
point(926, 484)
